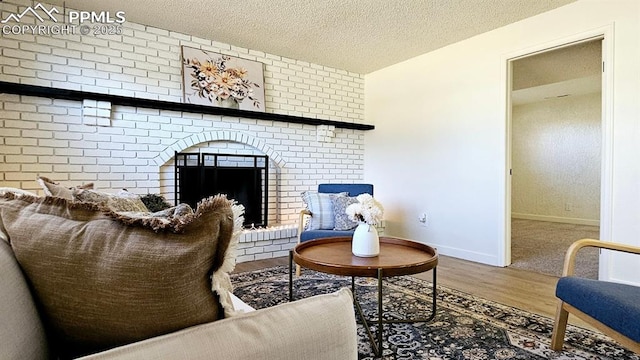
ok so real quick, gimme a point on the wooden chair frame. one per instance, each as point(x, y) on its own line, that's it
point(563, 309)
point(303, 214)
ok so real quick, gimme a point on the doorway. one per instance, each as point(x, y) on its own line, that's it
point(556, 140)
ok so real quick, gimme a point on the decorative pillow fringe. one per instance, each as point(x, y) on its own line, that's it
point(175, 223)
point(50, 200)
point(220, 281)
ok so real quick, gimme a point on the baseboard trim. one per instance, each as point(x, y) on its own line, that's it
point(483, 258)
point(558, 219)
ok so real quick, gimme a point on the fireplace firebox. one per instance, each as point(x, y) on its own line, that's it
point(244, 178)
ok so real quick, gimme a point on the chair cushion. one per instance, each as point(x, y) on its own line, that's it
point(613, 304)
point(316, 234)
point(103, 279)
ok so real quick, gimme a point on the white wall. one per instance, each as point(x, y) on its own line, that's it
point(556, 160)
point(440, 139)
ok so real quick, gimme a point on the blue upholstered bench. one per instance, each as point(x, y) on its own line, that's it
point(612, 308)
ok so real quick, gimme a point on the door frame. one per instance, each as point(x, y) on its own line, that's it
point(606, 173)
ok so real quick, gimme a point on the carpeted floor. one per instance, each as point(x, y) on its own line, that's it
point(466, 327)
point(540, 246)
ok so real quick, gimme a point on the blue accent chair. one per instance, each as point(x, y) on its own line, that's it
point(612, 308)
point(352, 190)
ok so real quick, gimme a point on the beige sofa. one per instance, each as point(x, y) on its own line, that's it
point(321, 327)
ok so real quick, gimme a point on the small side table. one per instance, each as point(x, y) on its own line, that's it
point(397, 257)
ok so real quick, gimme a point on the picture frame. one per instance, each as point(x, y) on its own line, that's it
point(214, 79)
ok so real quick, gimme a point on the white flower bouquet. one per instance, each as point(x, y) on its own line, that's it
point(366, 210)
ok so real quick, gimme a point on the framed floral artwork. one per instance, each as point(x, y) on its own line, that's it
point(214, 79)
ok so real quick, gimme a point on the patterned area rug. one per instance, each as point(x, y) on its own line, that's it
point(465, 327)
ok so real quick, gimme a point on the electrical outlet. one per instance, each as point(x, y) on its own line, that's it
point(423, 219)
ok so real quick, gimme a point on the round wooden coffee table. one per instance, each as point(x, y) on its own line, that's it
point(397, 257)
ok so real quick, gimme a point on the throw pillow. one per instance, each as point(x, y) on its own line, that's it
point(123, 201)
point(341, 219)
point(319, 204)
point(16, 191)
point(103, 279)
point(52, 188)
point(155, 202)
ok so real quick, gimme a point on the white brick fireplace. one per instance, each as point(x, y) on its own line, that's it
point(132, 147)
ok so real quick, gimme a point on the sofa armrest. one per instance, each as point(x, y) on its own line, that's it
point(322, 327)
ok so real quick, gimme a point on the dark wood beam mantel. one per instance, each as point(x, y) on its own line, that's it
point(57, 93)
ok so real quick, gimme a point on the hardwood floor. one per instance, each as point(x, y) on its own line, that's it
point(522, 289)
point(260, 264)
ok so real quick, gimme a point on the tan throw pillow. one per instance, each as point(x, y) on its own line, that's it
point(52, 188)
point(123, 201)
point(16, 191)
point(102, 279)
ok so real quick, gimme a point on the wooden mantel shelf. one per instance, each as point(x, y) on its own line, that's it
point(56, 93)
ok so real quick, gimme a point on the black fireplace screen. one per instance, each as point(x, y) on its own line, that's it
point(244, 178)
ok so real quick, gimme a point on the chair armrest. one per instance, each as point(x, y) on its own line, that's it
point(303, 213)
point(321, 327)
point(570, 257)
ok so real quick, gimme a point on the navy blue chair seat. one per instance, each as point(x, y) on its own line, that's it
point(612, 308)
point(317, 234)
point(612, 304)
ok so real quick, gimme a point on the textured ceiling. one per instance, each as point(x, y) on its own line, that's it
point(355, 35)
point(568, 71)
point(571, 62)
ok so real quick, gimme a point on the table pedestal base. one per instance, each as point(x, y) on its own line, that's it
point(375, 343)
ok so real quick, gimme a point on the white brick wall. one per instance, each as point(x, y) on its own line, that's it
point(145, 62)
point(133, 148)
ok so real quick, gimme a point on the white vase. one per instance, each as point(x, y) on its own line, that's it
point(366, 242)
point(229, 103)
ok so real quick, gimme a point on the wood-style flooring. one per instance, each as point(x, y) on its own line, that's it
point(522, 289)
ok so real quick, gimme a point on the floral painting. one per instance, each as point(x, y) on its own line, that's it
point(221, 80)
